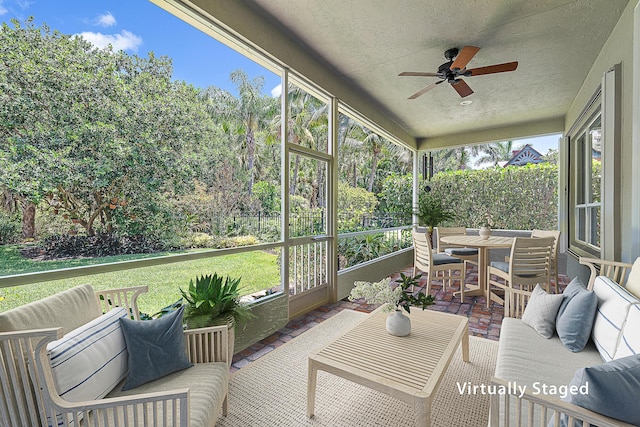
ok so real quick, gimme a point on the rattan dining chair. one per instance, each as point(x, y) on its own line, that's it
point(529, 265)
point(431, 263)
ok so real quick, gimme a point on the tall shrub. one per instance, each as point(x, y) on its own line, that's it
point(517, 197)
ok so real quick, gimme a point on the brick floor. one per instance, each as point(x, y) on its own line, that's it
point(483, 322)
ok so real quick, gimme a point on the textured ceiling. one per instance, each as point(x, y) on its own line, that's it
point(367, 43)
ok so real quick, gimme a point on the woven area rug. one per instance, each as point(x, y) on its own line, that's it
point(272, 390)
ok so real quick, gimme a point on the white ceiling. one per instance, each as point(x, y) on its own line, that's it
point(367, 43)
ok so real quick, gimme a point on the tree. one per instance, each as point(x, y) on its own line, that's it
point(454, 158)
point(90, 131)
point(495, 152)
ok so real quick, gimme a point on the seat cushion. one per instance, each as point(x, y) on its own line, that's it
point(575, 316)
point(440, 259)
point(500, 265)
point(462, 251)
point(207, 384)
point(526, 357)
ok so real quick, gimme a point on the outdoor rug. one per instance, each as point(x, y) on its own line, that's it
point(272, 390)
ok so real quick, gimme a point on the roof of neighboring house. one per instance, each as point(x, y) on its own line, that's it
point(526, 155)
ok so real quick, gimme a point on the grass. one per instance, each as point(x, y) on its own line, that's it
point(164, 281)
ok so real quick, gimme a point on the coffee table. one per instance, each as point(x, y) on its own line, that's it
point(370, 356)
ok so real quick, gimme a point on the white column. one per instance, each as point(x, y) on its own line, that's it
point(416, 172)
point(332, 201)
point(635, 136)
point(284, 181)
point(610, 218)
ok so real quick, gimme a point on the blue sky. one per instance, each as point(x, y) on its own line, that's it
point(137, 27)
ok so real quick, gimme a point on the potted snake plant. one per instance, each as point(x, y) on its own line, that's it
point(213, 300)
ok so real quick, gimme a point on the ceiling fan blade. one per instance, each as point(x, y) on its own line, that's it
point(464, 57)
point(462, 88)
point(419, 74)
point(492, 69)
point(424, 90)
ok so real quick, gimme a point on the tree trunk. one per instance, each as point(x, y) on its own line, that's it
point(251, 149)
point(374, 167)
point(28, 220)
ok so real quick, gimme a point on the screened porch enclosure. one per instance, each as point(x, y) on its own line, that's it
point(287, 235)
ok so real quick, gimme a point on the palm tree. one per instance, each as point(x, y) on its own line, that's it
point(455, 158)
point(249, 116)
point(495, 152)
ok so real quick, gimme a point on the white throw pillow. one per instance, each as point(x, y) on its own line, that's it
point(633, 282)
point(629, 343)
point(613, 306)
point(88, 362)
point(541, 311)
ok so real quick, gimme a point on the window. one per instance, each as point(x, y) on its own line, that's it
point(585, 168)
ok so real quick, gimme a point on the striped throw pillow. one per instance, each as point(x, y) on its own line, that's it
point(629, 343)
point(613, 305)
point(88, 362)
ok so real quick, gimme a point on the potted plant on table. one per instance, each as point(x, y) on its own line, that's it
point(486, 223)
point(396, 298)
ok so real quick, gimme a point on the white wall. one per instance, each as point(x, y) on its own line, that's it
point(618, 49)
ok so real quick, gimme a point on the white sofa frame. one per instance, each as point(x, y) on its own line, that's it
point(28, 390)
point(530, 407)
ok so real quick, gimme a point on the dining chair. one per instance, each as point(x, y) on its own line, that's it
point(431, 263)
point(467, 254)
point(529, 265)
point(554, 253)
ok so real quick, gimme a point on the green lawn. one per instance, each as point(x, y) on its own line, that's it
point(259, 270)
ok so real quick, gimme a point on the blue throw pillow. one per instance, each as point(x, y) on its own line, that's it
point(576, 315)
point(612, 389)
point(156, 348)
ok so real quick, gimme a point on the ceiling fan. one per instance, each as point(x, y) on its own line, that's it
point(453, 71)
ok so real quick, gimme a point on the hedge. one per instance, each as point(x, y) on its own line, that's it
point(516, 197)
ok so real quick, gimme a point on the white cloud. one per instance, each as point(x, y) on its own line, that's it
point(3, 9)
point(106, 20)
point(125, 40)
point(276, 91)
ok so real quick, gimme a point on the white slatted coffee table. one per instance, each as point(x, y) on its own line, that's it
point(370, 356)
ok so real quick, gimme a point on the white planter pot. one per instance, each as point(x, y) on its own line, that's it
point(485, 232)
point(398, 324)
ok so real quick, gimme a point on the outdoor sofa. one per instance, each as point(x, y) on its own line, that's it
point(31, 359)
point(541, 381)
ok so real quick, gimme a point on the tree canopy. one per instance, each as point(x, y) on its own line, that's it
point(91, 130)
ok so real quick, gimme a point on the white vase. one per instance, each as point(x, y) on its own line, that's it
point(398, 324)
point(485, 232)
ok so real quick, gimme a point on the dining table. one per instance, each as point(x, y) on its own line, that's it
point(483, 245)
